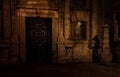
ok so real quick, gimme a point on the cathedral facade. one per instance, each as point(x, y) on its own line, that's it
point(57, 31)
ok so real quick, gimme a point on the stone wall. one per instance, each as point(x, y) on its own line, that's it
point(67, 47)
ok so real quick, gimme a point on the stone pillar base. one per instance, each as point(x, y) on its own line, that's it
point(106, 58)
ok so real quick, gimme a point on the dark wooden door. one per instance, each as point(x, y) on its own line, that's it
point(38, 40)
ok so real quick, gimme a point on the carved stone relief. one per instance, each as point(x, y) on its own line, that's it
point(79, 25)
point(42, 3)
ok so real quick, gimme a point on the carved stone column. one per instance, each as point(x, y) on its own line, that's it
point(106, 55)
point(61, 40)
point(64, 45)
point(67, 19)
point(61, 24)
point(6, 19)
point(14, 54)
point(1, 19)
point(94, 18)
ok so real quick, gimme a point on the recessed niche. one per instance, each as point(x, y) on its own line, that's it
point(79, 30)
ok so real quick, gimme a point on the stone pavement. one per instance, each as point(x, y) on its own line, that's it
point(61, 70)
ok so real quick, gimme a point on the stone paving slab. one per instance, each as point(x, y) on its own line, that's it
point(62, 70)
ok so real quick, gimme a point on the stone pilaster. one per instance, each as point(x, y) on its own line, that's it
point(6, 19)
point(61, 23)
point(14, 54)
point(61, 40)
point(67, 19)
point(106, 55)
point(64, 31)
point(94, 18)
